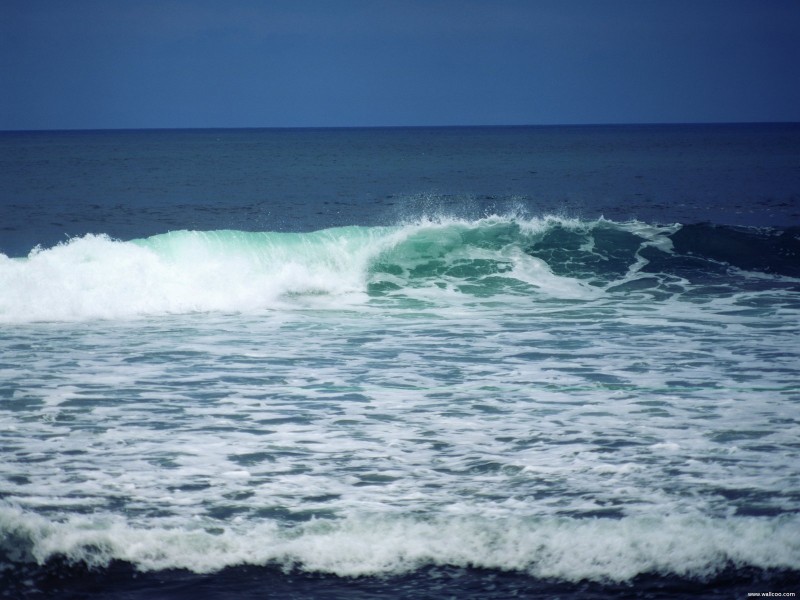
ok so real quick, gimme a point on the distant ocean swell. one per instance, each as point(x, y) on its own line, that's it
point(233, 271)
point(567, 549)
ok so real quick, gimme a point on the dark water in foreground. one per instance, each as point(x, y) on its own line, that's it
point(245, 583)
point(412, 363)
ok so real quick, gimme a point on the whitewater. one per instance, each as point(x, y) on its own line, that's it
point(368, 401)
point(457, 401)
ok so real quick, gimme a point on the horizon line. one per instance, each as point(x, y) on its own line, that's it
point(356, 127)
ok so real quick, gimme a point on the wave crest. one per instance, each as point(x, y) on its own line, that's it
point(236, 271)
point(567, 549)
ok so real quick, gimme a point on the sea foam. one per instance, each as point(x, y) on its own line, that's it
point(181, 272)
point(567, 549)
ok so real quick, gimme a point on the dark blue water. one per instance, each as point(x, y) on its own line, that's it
point(540, 362)
point(132, 184)
point(246, 583)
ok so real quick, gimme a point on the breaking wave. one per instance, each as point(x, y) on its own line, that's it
point(95, 276)
point(568, 549)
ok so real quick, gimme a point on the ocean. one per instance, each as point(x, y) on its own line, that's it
point(533, 362)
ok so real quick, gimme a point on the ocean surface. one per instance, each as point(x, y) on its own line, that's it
point(534, 362)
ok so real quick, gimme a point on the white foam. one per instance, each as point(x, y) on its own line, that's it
point(566, 549)
point(457, 429)
point(97, 277)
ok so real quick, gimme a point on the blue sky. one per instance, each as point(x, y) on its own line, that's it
point(306, 63)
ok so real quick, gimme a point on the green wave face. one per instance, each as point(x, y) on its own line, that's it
point(480, 257)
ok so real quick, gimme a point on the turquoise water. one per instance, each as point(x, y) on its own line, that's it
point(463, 399)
